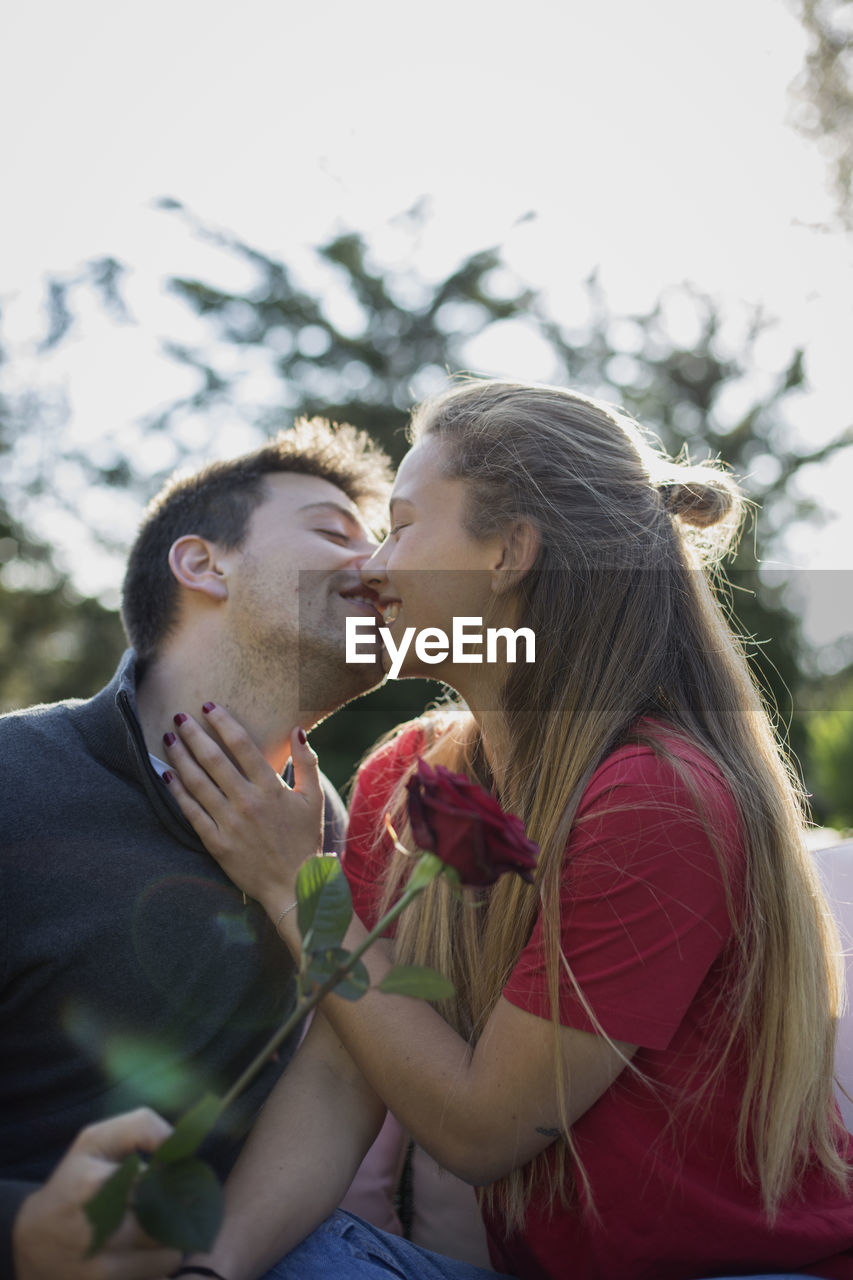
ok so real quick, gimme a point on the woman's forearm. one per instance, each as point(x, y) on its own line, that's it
point(299, 1159)
point(422, 1069)
point(479, 1112)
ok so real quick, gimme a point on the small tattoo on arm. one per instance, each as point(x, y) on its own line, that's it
point(548, 1133)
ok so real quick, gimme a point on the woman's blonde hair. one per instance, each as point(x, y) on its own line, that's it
point(627, 625)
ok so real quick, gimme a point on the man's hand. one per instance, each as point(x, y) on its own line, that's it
point(52, 1234)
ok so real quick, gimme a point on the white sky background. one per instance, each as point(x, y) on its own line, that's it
point(652, 140)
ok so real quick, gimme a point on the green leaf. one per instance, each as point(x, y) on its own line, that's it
point(180, 1204)
point(190, 1131)
point(416, 980)
point(323, 963)
point(325, 903)
point(107, 1206)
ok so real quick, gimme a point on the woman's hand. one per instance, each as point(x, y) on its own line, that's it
point(258, 829)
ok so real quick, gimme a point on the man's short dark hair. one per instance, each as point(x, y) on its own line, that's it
point(217, 503)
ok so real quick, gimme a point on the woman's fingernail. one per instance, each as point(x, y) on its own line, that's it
point(167, 777)
point(169, 738)
point(209, 706)
point(300, 734)
point(180, 718)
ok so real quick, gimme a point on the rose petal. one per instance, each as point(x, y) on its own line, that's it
point(466, 827)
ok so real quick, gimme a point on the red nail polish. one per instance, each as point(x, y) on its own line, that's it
point(167, 777)
point(209, 706)
point(169, 738)
point(300, 734)
point(180, 718)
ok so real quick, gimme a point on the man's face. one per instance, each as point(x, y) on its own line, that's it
point(293, 583)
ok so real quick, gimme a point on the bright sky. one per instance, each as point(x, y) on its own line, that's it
point(652, 140)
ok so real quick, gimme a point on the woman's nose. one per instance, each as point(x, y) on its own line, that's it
point(373, 570)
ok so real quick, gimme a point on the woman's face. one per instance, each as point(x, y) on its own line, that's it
point(430, 570)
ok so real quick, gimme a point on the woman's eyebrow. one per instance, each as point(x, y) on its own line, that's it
point(394, 501)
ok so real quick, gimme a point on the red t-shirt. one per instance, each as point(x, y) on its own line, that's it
point(645, 926)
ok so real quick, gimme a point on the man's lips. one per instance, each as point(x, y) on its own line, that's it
point(386, 607)
point(365, 596)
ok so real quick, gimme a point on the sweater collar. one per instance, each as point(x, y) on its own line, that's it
point(109, 723)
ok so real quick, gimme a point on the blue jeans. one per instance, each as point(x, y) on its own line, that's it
point(348, 1248)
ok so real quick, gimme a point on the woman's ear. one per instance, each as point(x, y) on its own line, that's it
point(196, 566)
point(520, 552)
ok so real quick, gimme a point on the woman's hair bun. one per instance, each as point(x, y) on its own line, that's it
point(701, 502)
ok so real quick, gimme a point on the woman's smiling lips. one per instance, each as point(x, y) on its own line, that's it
point(389, 607)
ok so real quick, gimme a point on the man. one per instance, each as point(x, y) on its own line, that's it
point(132, 973)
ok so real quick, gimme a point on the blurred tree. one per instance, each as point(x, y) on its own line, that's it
point(53, 642)
point(829, 757)
point(366, 340)
point(674, 367)
point(824, 92)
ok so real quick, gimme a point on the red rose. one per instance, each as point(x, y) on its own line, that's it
point(466, 827)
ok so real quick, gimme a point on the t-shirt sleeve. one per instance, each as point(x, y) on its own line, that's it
point(368, 847)
point(644, 906)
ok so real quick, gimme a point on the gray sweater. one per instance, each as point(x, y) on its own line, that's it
point(130, 971)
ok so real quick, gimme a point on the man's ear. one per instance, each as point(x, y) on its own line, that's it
point(197, 567)
point(522, 542)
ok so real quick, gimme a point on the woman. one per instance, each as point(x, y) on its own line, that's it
point(637, 1066)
